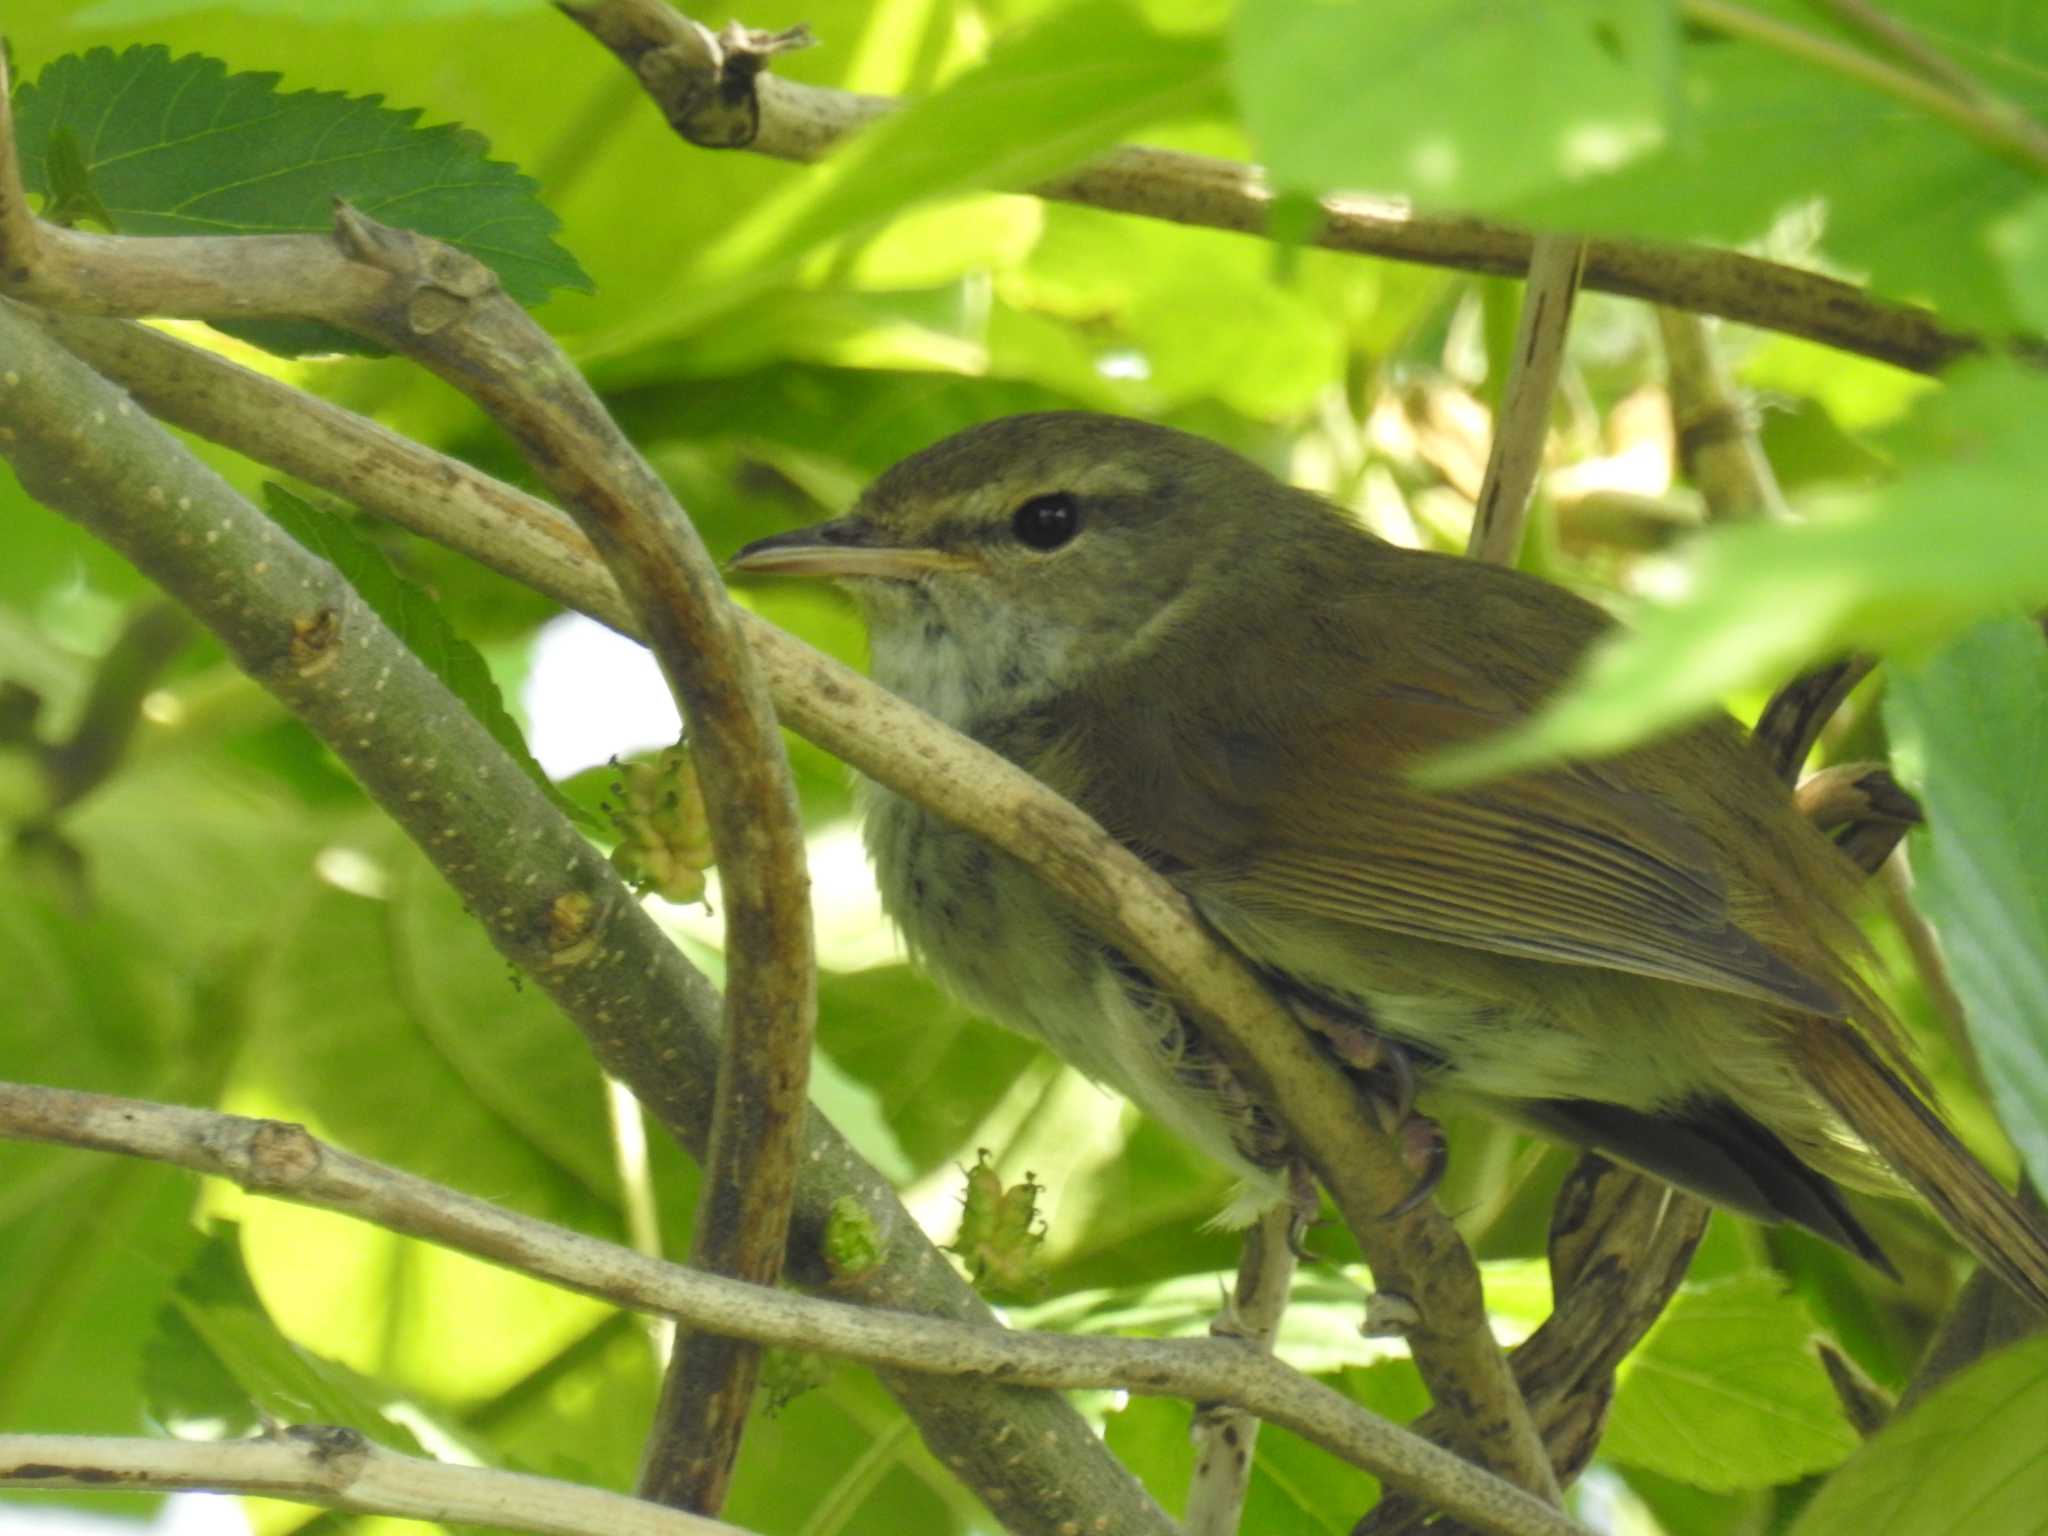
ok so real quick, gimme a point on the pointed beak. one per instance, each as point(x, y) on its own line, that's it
point(846, 546)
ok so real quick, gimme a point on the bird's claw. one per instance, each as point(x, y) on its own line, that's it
point(1305, 1201)
point(1424, 1149)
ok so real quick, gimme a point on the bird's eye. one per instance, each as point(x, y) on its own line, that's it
point(1048, 521)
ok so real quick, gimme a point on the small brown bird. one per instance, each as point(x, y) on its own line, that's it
point(1650, 955)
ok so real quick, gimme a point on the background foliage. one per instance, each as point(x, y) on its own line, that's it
point(226, 921)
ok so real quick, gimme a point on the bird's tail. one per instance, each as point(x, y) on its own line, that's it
point(1986, 1217)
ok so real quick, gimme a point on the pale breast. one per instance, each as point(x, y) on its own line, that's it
point(986, 929)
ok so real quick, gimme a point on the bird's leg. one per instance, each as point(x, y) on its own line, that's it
point(1305, 1201)
point(1388, 1073)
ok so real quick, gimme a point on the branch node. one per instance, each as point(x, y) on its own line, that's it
point(443, 283)
point(335, 1449)
point(278, 1155)
point(1389, 1315)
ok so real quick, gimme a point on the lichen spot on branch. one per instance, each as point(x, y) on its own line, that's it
point(316, 642)
point(571, 929)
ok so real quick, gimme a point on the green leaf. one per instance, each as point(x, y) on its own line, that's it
point(88, 1248)
point(1044, 100)
point(218, 1357)
point(129, 12)
point(1496, 127)
point(2020, 240)
point(72, 200)
point(182, 147)
point(386, 1019)
point(1972, 732)
point(1957, 536)
point(1966, 1458)
point(417, 621)
point(1908, 198)
point(1726, 1394)
point(1295, 1487)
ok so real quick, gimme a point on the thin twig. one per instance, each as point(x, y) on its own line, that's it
point(1523, 429)
point(1931, 965)
point(2016, 138)
point(1226, 1437)
point(1865, 1404)
point(1799, 711)
point(279, 1160)
point(1418, 1255)
point(1862, 807)
point(802, 122)
point(1988, 1314)
point(549, 901)
point(20, 230)
point(1910, 46)
point(339, 1469)
point(1717, 445)
point(154, 637)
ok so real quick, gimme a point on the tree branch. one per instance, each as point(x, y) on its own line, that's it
point(1417, 1255)
point(1226, 1436)
point(1620, 1245)
point(1523, 430)
point(279, 1160)
point(549, 902)
point(1717, 448)
point(447, 311)
point(339, 1469)
point(802, 122)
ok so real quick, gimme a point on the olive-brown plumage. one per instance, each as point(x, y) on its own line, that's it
point(1236, 681)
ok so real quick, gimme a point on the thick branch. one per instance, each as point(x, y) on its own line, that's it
point(272, 1158)
point(548, 900)
point(1418, 1256)
point(802, 122)
point(447, 311)
point(338, 1469)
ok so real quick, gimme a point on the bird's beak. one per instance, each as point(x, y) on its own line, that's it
point(846, 546)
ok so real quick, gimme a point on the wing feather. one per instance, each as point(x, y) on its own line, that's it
point(1288, 793)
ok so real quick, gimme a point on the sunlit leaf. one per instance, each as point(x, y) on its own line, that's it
point(1972, 732)
point(1726, 1393)
point(1956, 536)
point(182, 147)
point(1966, 1458)
point(1495, 129)
point(219, 1359)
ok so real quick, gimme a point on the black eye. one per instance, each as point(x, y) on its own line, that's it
point(1048, 521)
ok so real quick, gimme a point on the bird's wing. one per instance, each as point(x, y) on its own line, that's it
point(1289, 795)
point(1568, 866)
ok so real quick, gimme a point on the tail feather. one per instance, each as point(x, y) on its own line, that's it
point(1986, 1217)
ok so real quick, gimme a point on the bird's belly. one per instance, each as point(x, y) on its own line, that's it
point(988, 931)
point(1499, 1027)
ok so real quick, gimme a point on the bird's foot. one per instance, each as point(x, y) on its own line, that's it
point(1427, 1153)
point(1388, 1072)
point(1383, 1063)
